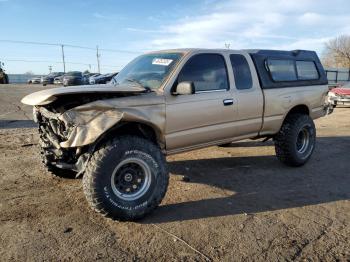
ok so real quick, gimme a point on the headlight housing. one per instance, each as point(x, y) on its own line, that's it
point(331, 94)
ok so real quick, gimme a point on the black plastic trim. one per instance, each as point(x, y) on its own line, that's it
point(266, 82)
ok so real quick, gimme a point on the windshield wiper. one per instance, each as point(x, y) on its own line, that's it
point(139, 84)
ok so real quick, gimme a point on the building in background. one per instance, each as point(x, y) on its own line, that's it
point(20, 78)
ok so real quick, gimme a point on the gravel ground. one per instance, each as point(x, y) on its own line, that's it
point(240, 203)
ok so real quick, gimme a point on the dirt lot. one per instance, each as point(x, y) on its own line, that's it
point(240, 202)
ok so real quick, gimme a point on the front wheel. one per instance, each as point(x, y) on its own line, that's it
point(126, 178)
point(295, 142)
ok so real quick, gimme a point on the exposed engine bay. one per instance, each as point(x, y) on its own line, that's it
point(54, 131)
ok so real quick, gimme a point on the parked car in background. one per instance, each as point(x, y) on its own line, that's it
point(73, 78)
point(340, 95)
point(88, 76)
point(92, 79)
point(102, 79)
point(34, 80)
point(49, 79)
point(58, 80)
point(4, 79)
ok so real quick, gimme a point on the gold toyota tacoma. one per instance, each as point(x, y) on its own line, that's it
point(166, 102)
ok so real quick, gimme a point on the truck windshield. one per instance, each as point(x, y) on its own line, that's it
point(148, 70)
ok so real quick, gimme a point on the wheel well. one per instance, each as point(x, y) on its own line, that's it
point(130, 128)
point(300, 109)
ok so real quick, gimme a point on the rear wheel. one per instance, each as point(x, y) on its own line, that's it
point(295, 142)
point(126, 178)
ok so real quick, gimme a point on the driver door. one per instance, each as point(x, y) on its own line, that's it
point(203, 117)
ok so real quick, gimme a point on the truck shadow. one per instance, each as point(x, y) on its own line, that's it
point(8, 124)
point(256, 184)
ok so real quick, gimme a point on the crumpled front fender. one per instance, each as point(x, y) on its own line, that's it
point(88, 126)
point(88, 122)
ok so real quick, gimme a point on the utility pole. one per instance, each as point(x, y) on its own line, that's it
point(98, 59)
point(50, 69)
point(64, 63)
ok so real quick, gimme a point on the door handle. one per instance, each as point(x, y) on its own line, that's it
point(228, 102)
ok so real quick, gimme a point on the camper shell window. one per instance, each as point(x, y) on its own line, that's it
point(278, 69)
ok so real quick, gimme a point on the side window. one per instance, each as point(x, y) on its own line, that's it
point(241, 72)
point(206, 71)
point(282, 70)
point(307, 70)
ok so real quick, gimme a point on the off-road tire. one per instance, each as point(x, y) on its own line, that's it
point(106, 166)
point(287, 142)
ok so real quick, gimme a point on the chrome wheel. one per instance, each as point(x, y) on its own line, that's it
point(303, 140)
point(131, 179)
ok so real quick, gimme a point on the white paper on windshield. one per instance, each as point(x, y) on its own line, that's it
point(161, 61)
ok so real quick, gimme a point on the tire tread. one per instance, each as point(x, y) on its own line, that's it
point(285, 137)
point(89, 179)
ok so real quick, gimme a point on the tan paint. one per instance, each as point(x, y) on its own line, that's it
point(186, 122)
point(194, 121)
point(91, 120)
point(278, 102)
point(47, 96)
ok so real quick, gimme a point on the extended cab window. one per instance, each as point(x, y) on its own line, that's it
point(282, 70)
point(206, 71)
point(241, 72)
point(307, 70)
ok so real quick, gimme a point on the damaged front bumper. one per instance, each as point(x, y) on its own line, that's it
point(52, 133)
point(70, 136)
point(77, 129)
point(66, 137)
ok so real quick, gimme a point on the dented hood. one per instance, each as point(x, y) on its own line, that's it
point(47, 96)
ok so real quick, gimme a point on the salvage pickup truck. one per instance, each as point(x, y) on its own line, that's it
point(167, 102)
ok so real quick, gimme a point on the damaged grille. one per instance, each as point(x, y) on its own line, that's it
point(53, 131)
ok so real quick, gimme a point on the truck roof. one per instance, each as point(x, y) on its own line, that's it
point(261, 57)
point(248, 51)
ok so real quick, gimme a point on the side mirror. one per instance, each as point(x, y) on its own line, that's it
point(184, 88)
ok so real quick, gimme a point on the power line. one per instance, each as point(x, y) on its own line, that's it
point(71, 46)
point(27, 42)
point(56, 62)
point(68, 45)
point(42, 61)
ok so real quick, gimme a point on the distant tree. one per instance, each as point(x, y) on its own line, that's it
point(86, 72)
point(337, 52)
point(29, 73)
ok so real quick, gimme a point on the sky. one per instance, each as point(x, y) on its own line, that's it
point(130, 28)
